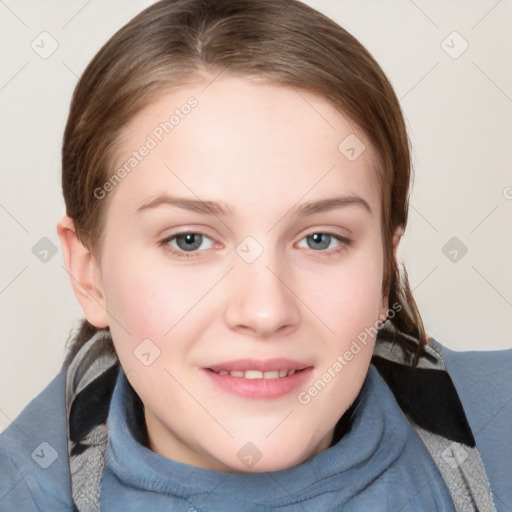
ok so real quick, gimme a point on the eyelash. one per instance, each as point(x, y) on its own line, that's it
point(344, 244)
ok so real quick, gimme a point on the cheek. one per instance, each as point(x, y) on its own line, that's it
point(350, 308)
point(135, 297)
point(147, 296)
point(349, 298)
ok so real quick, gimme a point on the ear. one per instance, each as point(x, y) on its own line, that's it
point(397, 236)
point(84, 273)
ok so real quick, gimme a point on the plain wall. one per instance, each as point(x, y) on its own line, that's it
point(459, 113)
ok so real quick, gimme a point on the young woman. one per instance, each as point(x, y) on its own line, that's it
point(236, 177)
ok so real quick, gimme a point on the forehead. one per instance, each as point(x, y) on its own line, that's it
point(240, 141)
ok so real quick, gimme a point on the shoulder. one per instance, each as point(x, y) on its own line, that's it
point(33, 454)
point(14, 492)
point(483, 380)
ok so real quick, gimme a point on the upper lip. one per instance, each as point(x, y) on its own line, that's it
point(262, 365)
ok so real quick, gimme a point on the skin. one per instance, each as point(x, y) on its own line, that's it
point(262, 150)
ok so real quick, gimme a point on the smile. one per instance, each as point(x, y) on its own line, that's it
point(259, 379)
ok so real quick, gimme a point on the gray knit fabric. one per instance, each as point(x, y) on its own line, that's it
point(87, 468)
point(462, 471)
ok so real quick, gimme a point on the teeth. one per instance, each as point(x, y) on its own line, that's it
point(256, 374)
point(253, 374)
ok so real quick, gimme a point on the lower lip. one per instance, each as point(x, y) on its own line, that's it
point(260, 388)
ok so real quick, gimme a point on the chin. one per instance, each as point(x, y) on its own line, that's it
point(250, 459)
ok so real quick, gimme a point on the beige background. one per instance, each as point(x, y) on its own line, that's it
point(458, 109)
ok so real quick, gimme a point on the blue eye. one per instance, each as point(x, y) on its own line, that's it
point(319, 241)
point(186, 243)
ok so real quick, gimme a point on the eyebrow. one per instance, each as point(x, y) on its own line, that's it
point(329, 204)
point(193, 205)
point(220, 208)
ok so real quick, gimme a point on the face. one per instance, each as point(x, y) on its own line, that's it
point(242, 259)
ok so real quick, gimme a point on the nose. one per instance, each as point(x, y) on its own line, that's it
point(260, 298)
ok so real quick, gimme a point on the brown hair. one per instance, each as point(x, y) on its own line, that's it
point(175, 42)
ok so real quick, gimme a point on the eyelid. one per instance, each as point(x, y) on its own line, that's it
point(330, 231)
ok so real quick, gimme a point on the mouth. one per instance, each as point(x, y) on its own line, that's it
point(259, 379)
